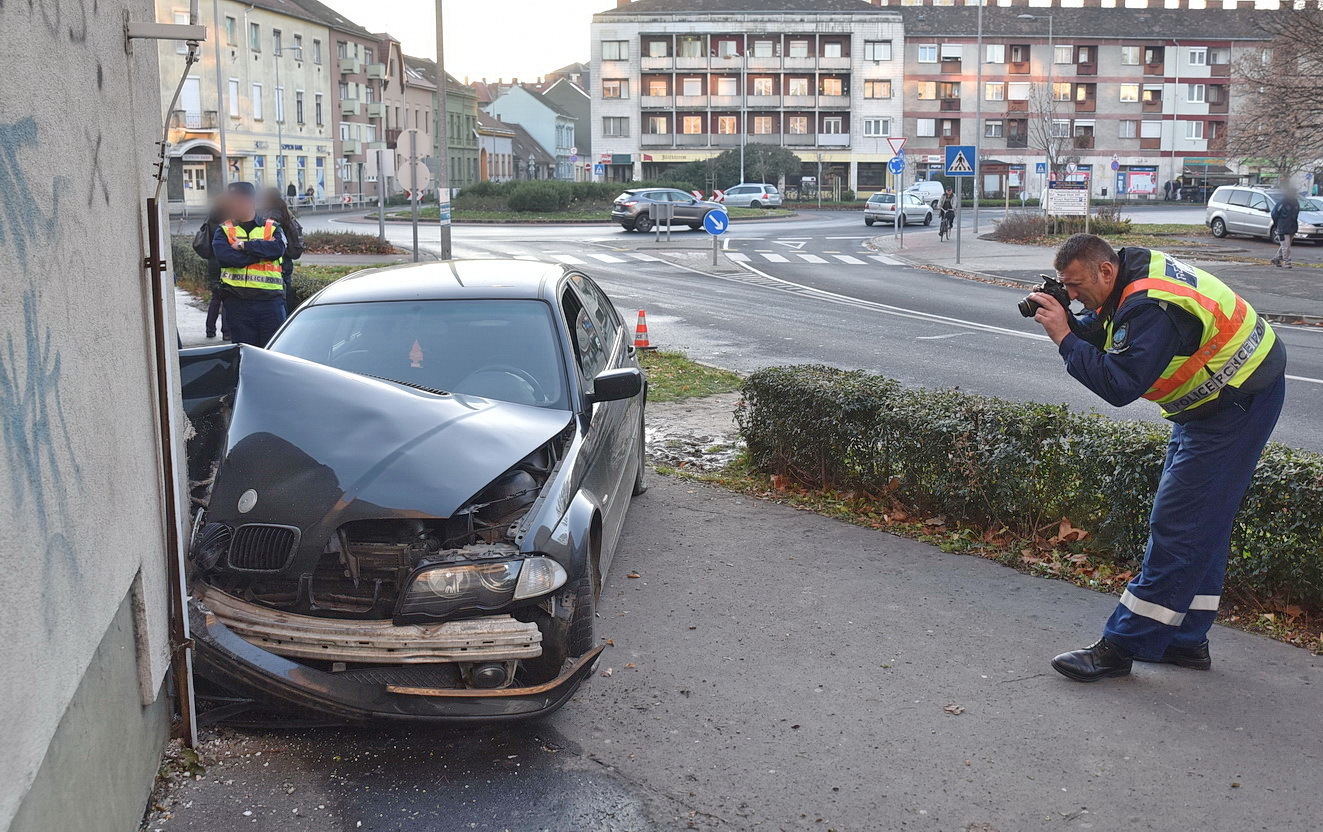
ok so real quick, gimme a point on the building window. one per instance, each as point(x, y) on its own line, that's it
point(692, 86)
point(1199, 56)
point(799, 49)
point(833, 125)
point(1150, 129)
point(233, 103)
point(726, 125)
point(615, 126)
point(257, 101)
point(926, 127)
point(877, 50)
point(833, 86)
point(1020, 53)
point(1196, 93)
point(1129, 93)
point(181, 19)
point(727, 86)
point(763, 86)
point(763, 49)
point(994, 91)
point(344, 90)
point(658, 86)
point(927, 90)
point(832, 49)
point(994, 53)
point(799, 125)
point(255, 37)
point(762, 125)
point(1152, 94)
point(877, 89)
point(298, 106)
point(615, 88)
point(1063, 54)
point(948, 90)
point(317, 109)
point(659, 49)
point(1129, 129)
point(280, 104)
point(276, 42)
point(928, 53)
point(1085, 55)
point(231, 31)
point(368, 56)
point(615, 50)
point(952, 52)
point(692, 125)
point(727, 48)
point(1061, 91)
point(877, 127)
point(298, 47)
point(316, 51)
point(690, 47)
point(1130, 55)
point(994, 129)
point(1194, 130)
point(659, 125)
point(798, 86)
point(1060, 128)
point(1017, 91)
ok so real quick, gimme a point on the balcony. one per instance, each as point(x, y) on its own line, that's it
point(699, 62)
point(834, 102)
point(654, 102)
point(1219, 70)
point(725, 101)
point(764, 63)
point(1158, 68)
point(800, 63)
point(1017, 106)
point(950, 66)
point(350, 66)
point(1218, 106)
point(796, 102)
point(943, 141)
point(1217, 144)
point(351, 148)
point(691, 139)
point(657, 63)
point(1017, 142)
point(1088, 105)
point(658, 140)
point(688, 101)
point(1083, 143)
point(376, 71)
point(800, 140)
point(1152, 106)
point(1150, 144)
point(833, 139)
point(833, 63)
point(725, 140)
point(376, 109)
point(1017, 68)
point(203, 121)
point(1086, 68)
point(350, 107)
point(950, 105)
point(764, 102)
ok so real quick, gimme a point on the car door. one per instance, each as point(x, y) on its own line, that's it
point(1237, 211)
point(915, 208)
point(1258, 220)
point(687, 209)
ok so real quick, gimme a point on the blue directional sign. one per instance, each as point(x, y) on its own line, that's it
point(716, 222)
point(1040, 167)
point(960, 159)
point(897, 165)
point(599, 170)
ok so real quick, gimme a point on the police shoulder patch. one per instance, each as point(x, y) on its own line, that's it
point(1120, 338)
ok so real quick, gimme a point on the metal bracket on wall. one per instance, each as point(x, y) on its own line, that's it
point(150, 30)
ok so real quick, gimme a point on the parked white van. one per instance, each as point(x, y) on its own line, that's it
point(929, 191)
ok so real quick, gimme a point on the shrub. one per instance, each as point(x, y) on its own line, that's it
point(344, 242)
point(540, 196)
point(999, 464)
point(190, 270)
point(1020, 227)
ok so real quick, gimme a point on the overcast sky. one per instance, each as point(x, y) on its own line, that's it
point(486, 38)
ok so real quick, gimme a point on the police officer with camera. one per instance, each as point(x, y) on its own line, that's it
point(1165, 331)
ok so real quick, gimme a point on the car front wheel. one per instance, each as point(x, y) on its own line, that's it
point(563, 638)
point(643, 223)
point(928, 218)
point(1219, 227)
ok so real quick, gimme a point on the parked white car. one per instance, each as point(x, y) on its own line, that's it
point(753, 195)
point(882, 208)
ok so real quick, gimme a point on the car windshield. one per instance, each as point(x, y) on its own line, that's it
point(1307, 204)
point(499, 349)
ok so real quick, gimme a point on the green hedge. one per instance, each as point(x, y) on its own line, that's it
point(994, 463)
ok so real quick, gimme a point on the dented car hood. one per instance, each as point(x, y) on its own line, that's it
point(314, 447)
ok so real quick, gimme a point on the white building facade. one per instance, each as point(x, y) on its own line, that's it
point(674, 82)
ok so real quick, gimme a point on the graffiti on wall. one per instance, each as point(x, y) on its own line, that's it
point(28, 219)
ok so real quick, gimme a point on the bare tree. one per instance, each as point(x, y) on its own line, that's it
point(1278, 120)
point(1044, 133)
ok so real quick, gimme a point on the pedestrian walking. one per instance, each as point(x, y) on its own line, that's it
point(1285, 223)
point(275, 208)
point(249, 250)
point(1177, 336)
point(202, 246)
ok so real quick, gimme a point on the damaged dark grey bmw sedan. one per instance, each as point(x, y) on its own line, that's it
point(406, 504)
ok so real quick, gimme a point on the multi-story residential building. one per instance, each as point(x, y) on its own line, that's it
point(495, 149)
point(551, 125)
point(461, 119)
point(1149, 89)
point(574, 99)
point(273, 100)
point(676, 81)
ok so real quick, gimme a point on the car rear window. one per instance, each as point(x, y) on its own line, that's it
point(771, 189)
point(883, 198)
point(499, 349)
point(625, 197)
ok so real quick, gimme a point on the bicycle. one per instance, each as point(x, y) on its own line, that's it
point(944, 230)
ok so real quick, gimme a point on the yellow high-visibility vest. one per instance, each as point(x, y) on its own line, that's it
point(264, 274)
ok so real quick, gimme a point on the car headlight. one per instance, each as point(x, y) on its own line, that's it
point(446, 590)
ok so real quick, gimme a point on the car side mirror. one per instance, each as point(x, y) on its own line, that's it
point(614, 385)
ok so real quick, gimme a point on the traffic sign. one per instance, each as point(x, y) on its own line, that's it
point(599, 170)
point(718, 195)
point(1071, 167)
point(1116, 165)
point(574, 158)
point(697, 194)
point(897, 165)
point(413, 176)
point(897, 145)
point(1040, 167)
point(716, 222)
point(574, 151)
point(960, 159)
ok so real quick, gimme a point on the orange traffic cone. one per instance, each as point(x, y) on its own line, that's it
point(641, 333)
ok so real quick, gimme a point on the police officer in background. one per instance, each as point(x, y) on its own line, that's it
point(1175, 335)
point(249, 250)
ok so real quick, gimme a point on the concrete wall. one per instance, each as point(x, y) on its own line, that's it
point(83, 647)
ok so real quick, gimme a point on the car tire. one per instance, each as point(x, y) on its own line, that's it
point(1272, 233)
point(627, 226)
point(933, 205)
point(1218, 227)
point(928, 218)
point(868, 222)
point(755, 204)
point(639, 485)
point(562, 638)
point(643, 223)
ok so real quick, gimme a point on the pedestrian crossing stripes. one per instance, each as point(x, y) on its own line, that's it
point(810, 258)
point(845, 258)
point(586, 258)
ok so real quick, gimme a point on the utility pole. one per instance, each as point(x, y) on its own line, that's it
point(442, 135)
point(222, 111)
point(978, 119)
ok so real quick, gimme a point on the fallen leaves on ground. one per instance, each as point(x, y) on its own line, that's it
point(954, 710)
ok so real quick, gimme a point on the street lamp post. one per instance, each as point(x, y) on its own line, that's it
point(978, 118)
point(442, 136)
point(222, 111)
point(1051, 101)
point(744, 100)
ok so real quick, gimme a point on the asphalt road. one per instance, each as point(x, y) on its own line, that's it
point(823, 297)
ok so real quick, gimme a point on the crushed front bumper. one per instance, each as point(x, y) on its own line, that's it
point(226, 659)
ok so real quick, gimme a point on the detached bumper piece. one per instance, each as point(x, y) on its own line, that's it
point(397, 693)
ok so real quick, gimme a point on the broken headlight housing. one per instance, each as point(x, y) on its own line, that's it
point(448, 590)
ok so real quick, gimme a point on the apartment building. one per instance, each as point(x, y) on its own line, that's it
point(272, 97)
point(551, 125)
point(676, 81)
point(1149, 89)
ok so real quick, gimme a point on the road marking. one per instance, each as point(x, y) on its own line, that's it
point(737, 256)
point(882, 258)
point(1306, 378)
point(853, 261)
point(567, 259)
point(939, 337)
point(646, 258)
point(605, 258)
point(811, 258)
point(869, 237)
point(526, 257)
point(775, 258)
point(789, 244)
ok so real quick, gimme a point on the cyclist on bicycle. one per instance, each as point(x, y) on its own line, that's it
point(947, 208)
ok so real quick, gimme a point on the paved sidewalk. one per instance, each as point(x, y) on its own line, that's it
point(1294, 292)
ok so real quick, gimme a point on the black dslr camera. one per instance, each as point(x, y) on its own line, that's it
point(1049, 286)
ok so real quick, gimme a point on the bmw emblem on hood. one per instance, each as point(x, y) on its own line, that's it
point(247, 500)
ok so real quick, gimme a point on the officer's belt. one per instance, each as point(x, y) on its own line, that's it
point(1223, 376)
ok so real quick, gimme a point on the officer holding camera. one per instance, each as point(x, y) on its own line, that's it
point(1162, 330)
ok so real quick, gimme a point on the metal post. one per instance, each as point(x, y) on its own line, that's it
point(715, 240)
point(222, 112)
point(442, 135)
point(900, 205)
point(659, 219)
point(381, 200)
point(978, 118)
point(413, 193)
point(1051, 106)
point(280, 127)
point(818, 186)
point(1088, 204)
point(960, 193)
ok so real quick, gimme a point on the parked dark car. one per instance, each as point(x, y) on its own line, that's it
point(635, 209)
point(405, 507)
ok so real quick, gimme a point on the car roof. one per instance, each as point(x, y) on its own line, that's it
point(447, 279)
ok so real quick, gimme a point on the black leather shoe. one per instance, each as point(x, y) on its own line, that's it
point(1195, 658)
point(1099, 661)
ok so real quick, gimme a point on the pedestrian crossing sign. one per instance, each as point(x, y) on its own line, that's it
point(960, 159)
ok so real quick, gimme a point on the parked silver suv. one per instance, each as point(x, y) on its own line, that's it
point(634, 208)
point(1239, 209)
point(755, 195)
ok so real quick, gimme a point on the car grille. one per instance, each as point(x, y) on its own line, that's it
point(259, 547)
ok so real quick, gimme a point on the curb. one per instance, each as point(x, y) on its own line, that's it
point(567, 224)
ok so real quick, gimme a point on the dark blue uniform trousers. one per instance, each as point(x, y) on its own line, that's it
point(1209, 467)
point(254, 321)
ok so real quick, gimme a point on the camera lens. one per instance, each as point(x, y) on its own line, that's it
point(1027, 308)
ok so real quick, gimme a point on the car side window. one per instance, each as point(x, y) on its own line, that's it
point(590, 346)
point(1259, 202)
point(1239, 198)
point(599, 306)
